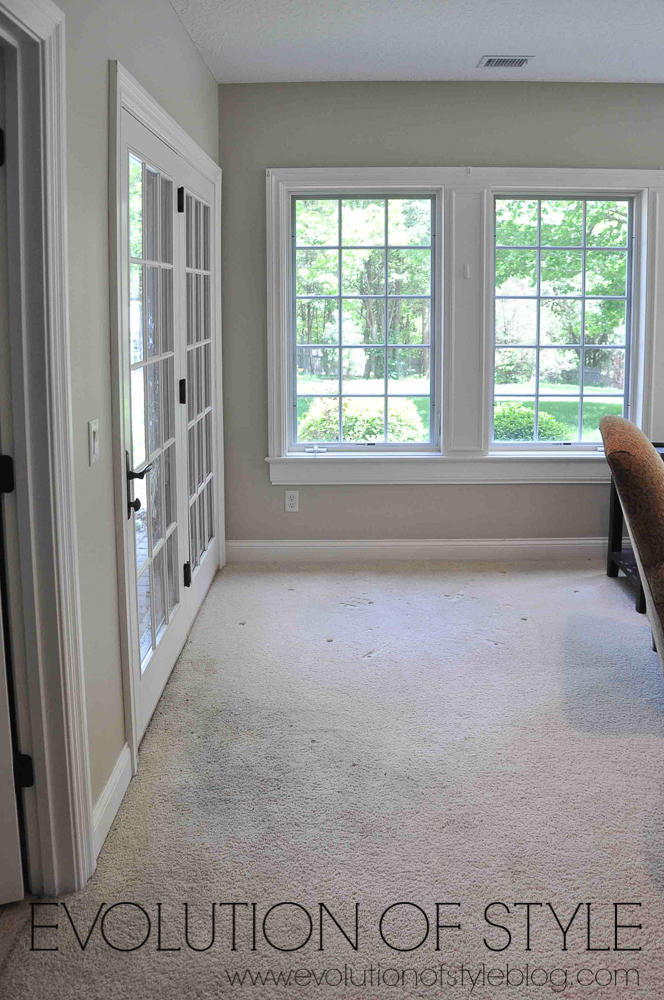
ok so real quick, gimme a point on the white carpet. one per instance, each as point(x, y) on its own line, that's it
point(423, 733)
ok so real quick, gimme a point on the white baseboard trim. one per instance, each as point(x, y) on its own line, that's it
point(384, 549)
point(110, 799)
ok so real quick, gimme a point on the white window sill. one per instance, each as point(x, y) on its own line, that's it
point(425, 468)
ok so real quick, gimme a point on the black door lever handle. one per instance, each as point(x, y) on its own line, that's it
point(133, 505)
point(138, 475)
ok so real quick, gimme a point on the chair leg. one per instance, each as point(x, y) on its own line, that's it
point(641, 600)
point(653, 642)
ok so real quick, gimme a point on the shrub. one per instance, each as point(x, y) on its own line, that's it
point(363, 421)
point(513, 421)
point(514, 366)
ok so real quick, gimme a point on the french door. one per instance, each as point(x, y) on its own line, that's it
point(168, 404)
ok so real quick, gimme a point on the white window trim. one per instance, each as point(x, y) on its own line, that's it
point(465, 454)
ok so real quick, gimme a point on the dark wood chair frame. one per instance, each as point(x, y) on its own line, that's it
point(619, 558)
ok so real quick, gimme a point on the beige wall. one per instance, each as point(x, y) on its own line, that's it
point(149, 40)
point(396, 124)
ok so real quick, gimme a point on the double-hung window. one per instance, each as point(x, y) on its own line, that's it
point(562, 316)
point(363, 289)
point(460, 325)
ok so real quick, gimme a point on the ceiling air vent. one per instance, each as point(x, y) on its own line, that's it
point(504, 62)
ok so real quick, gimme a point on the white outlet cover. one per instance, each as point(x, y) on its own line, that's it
point(292, 501)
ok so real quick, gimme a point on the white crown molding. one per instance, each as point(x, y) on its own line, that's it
point(396, 549)
point(138, 102)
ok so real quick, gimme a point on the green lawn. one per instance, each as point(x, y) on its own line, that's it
point(566, 411)
point(421, 402)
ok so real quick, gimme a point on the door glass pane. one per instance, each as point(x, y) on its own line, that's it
point(202, 527)
point(166, 310)
point(191, 448)
point(151, 217)
point(208, 444)
point(156, 511)
point(135, 207)
point(152, 310)
point(198, 234)
point(144, 614)
point(191, 386)
point(168, 387)
point(170, 495)
point(159, 594)
point(193, 535)
point(209, 489)
point(199, 446)
point(207, 399)
point(154, 404)
point(189, 231)
point(171, 566)
point(198, 307)
point(206, 307)
point(141, 524)
point(138, 416)
point(190, 309)
point(206, 238)
point(136, 312)
point(199, 380)
point(166, 220)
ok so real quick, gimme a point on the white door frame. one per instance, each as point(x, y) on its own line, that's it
point(126, 93)
point(50, 691)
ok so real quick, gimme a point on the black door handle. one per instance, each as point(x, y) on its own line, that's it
point(137, 475)
point(133, 505)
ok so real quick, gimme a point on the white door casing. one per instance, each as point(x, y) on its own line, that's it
point(43, 600)
point(11, 874)
point(179, 340)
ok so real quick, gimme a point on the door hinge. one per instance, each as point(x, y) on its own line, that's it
point(187, 574)
point(2, 147)
point(24, 772)
point(7, 483)
point(181, 199)
point(183, 390)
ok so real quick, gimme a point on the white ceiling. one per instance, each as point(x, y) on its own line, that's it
point(266, 41)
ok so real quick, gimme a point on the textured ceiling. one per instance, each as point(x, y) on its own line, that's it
point(263, 41)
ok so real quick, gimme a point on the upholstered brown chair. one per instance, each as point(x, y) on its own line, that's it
point(638, 472)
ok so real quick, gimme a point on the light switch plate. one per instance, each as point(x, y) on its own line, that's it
point(93, 441)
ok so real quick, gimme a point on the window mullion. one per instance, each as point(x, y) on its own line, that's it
point(582, 352)
point(339, 323)
point(386, 319)
point(539, 312)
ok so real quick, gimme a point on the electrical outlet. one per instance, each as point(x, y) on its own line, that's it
point(292, 503)
point(93, 441)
